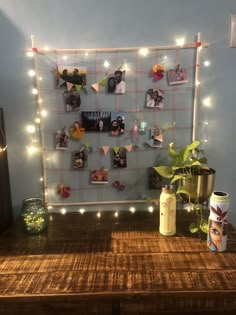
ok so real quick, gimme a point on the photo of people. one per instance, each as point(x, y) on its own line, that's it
point(120, 159)
point(155, 98)
point(72, 100)
point(80, 158)
point(96, 121)
point(117, 123)
point(177, 76)
point(99, 176)
point(116, 82)
point(72, 74)
point(217, 235)
point(62, 139)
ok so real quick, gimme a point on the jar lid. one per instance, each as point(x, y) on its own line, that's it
point(169, 189)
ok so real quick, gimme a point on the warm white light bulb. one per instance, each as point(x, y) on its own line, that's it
point(31, 73)
point(116, 214)
point(206, 101)
point(32, 149)
point(180, 41)
point(81, 211)
point(143, 51)
point(37, 120)
point(30, 54)
point(45, 48)
point(106, 64)
point(99, 215)
point(150, 209)
point(207, 63)
point(63, 211)
point(34, 91)
point(132, 209)
point(41, 179)
point(64, 57)
point(30, 128)
point(43, 113)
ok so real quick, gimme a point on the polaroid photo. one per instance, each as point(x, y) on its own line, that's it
point(62, 137)
point(99, 176)
point(117, 123)
point(177, 76)
point(80, 158)
point(116, 82)
point(75, 75)
point(119, 158)
point(72, 100)
point(155, 98)
point(96, 121)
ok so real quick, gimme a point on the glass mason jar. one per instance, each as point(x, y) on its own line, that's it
point(34, 215)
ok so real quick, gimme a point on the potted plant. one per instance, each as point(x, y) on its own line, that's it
point(195, 180)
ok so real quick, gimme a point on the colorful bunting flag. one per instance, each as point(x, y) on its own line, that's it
point(95, 86)
point(116, 149)
point(105, 149)
point(78, 87)
point(69, 86)
point(129, 147)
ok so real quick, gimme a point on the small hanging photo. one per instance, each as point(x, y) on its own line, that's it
point(72, 100)
point(80, 158)
point(99, 176)
point(62, 139)
point(177, 76)
point(155, 98)
point(119, 158)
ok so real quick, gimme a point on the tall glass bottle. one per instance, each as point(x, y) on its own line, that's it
point(167, 211)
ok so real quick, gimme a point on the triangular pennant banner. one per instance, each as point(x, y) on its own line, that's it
point(156, 201)
point(105, 149)
point(103, 82)
point(78, 87)
point(116, 149)
point(159, 137)
point(61, 82)
point(69, 86)
point(129, 147)
point(95, 86)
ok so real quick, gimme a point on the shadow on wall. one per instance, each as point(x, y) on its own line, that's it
point(19, 109)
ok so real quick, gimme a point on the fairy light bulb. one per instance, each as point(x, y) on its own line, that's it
point(106, 64)
point(206, 63)
point(180, 41)
point(29, 54)
point(206, 102)
point(82, 211)
point(30, 129)
point(64, 57)
point(31, 73)
point(41, 179)
point(37, 120)
point(116, 214)
point(43, 113)
point(63, 211)
point(46, 47)
point(34, 91)
point(150, 209)
point(132, 209)
point(143, 51)
point(99, 215)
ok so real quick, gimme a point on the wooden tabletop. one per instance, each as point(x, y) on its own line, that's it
point(108, 265)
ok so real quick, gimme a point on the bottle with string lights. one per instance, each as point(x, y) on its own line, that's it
point(167, 211)
point(35, 216)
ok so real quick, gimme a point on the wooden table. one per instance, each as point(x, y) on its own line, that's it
point(85, 265)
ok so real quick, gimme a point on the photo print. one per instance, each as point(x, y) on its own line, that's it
point(75, 75)
point(156, 138)
point(155, 98)
point(117, 123)
point(72, 100)
point(62, 139)
point(154, 179)
point(80, 158)
point(177, 76)
point(119, 158)
point(116, 82)
point(96, 121)
point(99, 176)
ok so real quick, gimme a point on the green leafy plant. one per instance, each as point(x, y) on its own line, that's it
point(184, 164)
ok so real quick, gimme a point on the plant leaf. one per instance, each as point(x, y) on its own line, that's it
point(204, 226)
point(183, 190)
point(193, 145)
point(164, 171)
point(172, 153)
point(193, 228)
point(176, 177)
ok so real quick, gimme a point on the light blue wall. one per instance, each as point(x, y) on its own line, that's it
point(123, 23)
